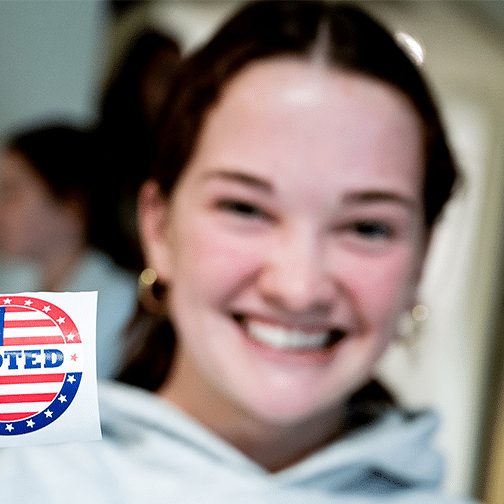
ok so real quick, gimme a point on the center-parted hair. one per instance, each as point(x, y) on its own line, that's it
point(346, 37)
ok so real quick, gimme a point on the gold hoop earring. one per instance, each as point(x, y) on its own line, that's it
point(411, 325)
point(152, 293)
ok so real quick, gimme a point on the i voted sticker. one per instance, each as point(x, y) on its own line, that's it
point(42, 365)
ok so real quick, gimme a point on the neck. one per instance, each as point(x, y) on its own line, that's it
point(59, 265)
point(276, 447)
point(273, 445)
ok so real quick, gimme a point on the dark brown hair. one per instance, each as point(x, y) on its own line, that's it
point(59, 153)
point(124, 141)
point(351, 40)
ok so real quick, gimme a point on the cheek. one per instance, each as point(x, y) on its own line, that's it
point(214, 262)
point(25, 218)
point(35, 208)
point(384, 287)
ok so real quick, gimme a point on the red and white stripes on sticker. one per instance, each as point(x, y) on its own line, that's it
point(24, 395)
point(26, 326)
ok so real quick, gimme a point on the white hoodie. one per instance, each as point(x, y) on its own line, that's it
point(152, 452)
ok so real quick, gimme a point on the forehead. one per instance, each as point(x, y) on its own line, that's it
point(17, 171)
point(14, 164)
point(287, 116)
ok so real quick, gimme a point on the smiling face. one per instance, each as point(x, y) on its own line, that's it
point(292, 241)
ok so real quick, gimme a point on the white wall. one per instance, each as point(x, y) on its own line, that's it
point(49, 50)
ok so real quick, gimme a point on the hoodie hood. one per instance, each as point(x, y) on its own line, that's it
point(387, 456)
point(153, 453)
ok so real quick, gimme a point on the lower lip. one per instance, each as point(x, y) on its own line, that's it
point(290, 356)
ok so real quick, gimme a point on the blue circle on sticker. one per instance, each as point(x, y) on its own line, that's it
point(41, 355)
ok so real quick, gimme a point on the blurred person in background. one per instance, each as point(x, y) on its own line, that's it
point(47, 181)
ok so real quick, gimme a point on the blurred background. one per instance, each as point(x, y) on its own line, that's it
point(58, 56)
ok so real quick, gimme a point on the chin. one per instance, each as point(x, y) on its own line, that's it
point(285, 404)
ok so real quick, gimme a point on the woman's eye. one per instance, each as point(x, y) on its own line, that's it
point(241, 208)
point(373, 230)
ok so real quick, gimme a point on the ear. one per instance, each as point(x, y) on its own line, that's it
point(153, 220)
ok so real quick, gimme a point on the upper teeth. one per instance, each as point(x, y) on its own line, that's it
point(280, 337)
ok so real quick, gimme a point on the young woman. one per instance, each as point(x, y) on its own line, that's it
point(302, 166)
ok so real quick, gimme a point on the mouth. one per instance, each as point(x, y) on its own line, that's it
point(282, 338)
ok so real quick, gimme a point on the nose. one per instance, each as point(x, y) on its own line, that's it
point(294, 276)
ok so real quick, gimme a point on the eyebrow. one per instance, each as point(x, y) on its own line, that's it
point(358, 197)
point(381, 197)
point(241, 177)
